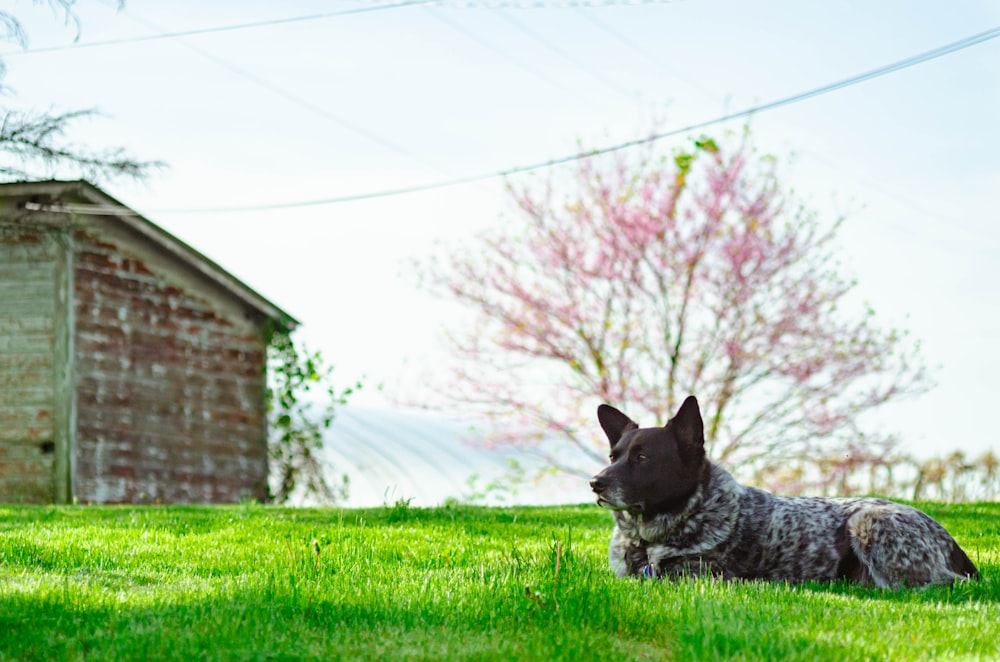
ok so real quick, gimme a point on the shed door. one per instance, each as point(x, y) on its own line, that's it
point(28, 263)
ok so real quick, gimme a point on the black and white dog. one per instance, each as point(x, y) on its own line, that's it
point(676, 512)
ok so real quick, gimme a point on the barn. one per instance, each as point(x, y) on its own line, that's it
point(132, 367)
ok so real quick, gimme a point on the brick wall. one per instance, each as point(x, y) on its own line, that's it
point(169, 384)
point(27, 312)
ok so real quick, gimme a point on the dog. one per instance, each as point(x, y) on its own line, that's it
point(678, 513)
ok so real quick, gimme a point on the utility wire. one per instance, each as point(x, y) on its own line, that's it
point(487, 4)
point(497, 50)
point(298, 100)
point(563, 54)
point(159, 35)
point(914, 60)
point(899, 199)
point(634, 47)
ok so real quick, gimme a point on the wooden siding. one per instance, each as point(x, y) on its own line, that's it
point(169, 383)
point(28, 266)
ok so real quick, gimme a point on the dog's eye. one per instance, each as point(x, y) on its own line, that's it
point(641, 457)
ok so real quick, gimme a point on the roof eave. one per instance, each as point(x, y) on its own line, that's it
point(100, 203)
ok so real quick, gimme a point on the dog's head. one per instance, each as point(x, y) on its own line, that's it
point(652, 470)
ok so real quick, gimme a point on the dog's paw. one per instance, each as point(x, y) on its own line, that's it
point(637, 560)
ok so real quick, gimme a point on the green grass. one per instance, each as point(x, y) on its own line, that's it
point(249, 583)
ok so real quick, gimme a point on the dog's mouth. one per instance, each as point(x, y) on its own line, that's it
point(632, 509)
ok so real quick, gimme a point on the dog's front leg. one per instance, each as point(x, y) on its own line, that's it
point(637, 561)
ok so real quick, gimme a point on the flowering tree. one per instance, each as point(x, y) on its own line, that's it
point(648, 278)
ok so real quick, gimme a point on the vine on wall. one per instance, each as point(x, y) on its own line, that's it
point(301, 403)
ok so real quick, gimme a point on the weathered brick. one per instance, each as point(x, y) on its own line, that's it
point(182, 392)
point(167, 383)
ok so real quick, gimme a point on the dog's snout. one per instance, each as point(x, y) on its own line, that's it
point(597, 484)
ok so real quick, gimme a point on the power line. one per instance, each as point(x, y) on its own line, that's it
point(298, 100)
point(914, 60)
point(634, 47)
point(460, 4)
point(497, 50)
point(220, 28)
point(562, 53)
point(895, 196)
point(547, 4)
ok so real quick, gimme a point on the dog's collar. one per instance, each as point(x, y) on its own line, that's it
point(648, 571)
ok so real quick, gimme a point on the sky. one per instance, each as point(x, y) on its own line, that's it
point(330, 106)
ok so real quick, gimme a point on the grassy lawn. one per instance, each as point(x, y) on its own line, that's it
point(260, 583)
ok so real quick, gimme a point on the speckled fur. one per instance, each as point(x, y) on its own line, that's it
point(733, 531)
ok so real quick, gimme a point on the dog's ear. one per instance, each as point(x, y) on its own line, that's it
point(614, 423)
point(689, 430)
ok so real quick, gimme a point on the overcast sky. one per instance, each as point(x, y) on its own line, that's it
point(335, 106)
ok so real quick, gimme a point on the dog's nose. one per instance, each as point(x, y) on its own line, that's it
point(597, 484)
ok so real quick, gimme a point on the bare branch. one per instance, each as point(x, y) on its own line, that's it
point(32, 147)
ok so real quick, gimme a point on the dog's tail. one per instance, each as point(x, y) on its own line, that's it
point(960, 562)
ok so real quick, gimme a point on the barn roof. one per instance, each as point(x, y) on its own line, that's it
point(81, 198)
